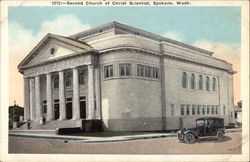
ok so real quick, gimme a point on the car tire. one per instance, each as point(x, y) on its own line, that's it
point(181, 138)
point(220, 135)
point(189, 138)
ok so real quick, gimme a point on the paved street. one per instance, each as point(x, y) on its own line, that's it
point(230, 145)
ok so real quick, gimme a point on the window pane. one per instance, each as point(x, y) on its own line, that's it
point(193, 81)
point(214, 84)
point(208, 107)
point(147, 71)
point(193, 109)
point(111, 71)
point(187, 109)
point(122, 70)
point(198, 109)
point(108, 71)
point(184, 80)
point(204, 109)
point(182, 109)
point(207, 84)
point(128, 69)
point(200, 82)
point(200, 123)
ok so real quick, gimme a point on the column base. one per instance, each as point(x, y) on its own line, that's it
point(61, 119)
point(75, 118)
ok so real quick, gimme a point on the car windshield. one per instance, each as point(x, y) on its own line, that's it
point(200, 123)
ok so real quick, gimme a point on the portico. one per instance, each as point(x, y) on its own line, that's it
point(62, 89)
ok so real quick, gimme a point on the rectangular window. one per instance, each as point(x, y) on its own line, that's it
point(187, 109)
point(212, 109)
point(216, 109)
point(140, 70)
point(172, 109)
point(224, 109)
point(203, 109)
point(193, 109)
point(108, 71)
point(125, 69)
point(182, 109)
point(208, 107)
point(198, 109)
point(155, 73)
point(147, 71)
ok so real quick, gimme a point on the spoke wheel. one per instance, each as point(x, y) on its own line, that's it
point(181, 137)
point(189, 138)
point(220, 135)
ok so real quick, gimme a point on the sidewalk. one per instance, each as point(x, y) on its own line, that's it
point(88, 139)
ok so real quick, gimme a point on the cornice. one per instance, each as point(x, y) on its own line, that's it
point(135, 31)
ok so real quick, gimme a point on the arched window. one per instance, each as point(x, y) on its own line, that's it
point(56, 81)
point(193, 81)
point(214, 84)
point(68, 80)
point(200, 82)
point(81, 77)
point(207, 83)
point(184, 80)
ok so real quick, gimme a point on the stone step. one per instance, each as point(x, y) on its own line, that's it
point(53, 124)
point(16, 131)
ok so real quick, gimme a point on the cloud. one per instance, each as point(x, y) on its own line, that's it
point(21, 41)
point(174, 35)
point(221, 50)
point(228, 52)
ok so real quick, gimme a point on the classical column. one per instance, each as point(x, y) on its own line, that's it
point(97, 93)
point(26, 99)
point(49, 97)
point(91, 105)
point(76, 103)
point(62, 96)
point(38, 99)
point(32, 99)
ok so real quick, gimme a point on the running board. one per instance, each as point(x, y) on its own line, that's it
point(208, 137)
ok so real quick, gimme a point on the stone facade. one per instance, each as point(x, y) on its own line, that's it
point(129, 79)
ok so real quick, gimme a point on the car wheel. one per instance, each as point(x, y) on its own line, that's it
point(181, 137)
point(189, 138)
point(220, 135)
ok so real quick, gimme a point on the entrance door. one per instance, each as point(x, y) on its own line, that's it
point(69, 110)
point(56, 111)
point(83, 109)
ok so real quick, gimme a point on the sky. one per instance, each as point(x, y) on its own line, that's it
point(217, 29)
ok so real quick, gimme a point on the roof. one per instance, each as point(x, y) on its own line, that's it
point(50, 36)
point(132, 30)
point(205, 118)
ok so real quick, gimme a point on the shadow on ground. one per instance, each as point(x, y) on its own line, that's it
point(214, 140)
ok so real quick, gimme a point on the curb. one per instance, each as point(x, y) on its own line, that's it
point(87, 139)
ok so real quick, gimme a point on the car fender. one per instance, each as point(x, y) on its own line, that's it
point(191, 131)
point(223, 130)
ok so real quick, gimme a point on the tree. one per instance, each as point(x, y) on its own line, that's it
point(14, 114)
point(239, 103)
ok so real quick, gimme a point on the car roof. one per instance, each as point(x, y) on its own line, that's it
point(205, 118)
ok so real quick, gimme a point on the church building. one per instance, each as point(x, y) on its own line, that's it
point(126, 78)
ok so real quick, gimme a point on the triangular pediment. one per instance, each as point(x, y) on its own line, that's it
point(53, 47)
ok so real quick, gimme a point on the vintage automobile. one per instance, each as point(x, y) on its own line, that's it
point(207, 127)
